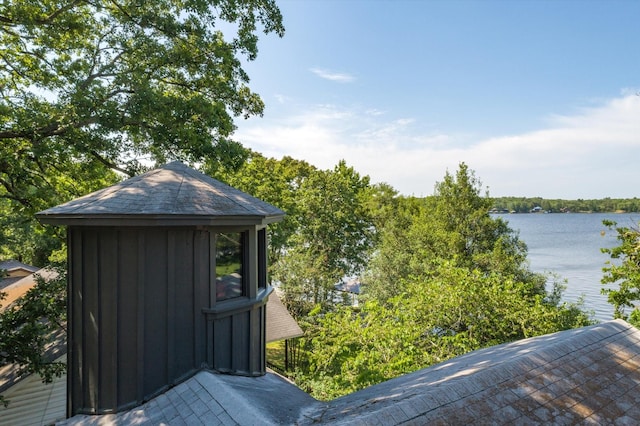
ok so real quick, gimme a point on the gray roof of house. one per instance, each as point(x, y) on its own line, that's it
point(215, 399)
point(12, 265)
point(280, 324)
point(172, 194)
point(589, 375)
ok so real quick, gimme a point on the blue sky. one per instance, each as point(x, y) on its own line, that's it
point(540, 98)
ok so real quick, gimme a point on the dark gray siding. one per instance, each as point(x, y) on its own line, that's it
point(143, 316)
point(136, 301)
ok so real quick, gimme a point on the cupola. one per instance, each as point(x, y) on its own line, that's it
point(167, 275)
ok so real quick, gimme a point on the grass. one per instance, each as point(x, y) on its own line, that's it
point(275, 354)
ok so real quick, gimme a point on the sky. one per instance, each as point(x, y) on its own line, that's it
point(539, 98)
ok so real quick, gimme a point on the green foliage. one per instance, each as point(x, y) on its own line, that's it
point(22, 237)
point(30, 325)
point(333, 237)
point(274, 181)
point(453, 225)
point(89, 86)
point(446, 278)
point(445, 313)
point(327, 233)
point(623, 270)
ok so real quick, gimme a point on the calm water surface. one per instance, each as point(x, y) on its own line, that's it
point(569, 245)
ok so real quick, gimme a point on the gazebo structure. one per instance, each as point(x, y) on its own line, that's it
point(167, 275)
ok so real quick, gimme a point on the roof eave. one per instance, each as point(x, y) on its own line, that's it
point(156, 220)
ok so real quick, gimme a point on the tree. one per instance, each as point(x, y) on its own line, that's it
point(274, 181)
point(333, 237)
point(453, 224)
point(34, 323)
point(22, 237)
point(448, 312)
point(446, 278)
point(101, 84)
point(623, 270)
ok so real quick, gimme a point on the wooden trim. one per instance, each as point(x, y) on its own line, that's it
point(233, 306)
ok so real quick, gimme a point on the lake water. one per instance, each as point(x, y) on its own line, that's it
point(569, 245)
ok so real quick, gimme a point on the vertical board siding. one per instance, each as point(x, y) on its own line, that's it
point(221, 338)
point(128, 318)
point(202, 292)
point(90, 319)
point(108, 296)
point(240, 342)
point(140, 286)
point(171, 306)
point(136, 313)
point(155, 308)
point(74, 342)
point(183, 322)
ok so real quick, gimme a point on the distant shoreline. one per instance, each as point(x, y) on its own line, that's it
point(536, 205)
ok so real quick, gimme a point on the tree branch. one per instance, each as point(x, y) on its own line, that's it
point(108, 163)
point(58, 12)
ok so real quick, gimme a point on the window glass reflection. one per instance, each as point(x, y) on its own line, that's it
point(228, 266)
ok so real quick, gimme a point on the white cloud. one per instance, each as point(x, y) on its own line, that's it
point(333, 76)
point(593, 153)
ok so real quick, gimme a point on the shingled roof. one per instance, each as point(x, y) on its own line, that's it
point(14, 265)
point(280, 324)
point(171, 194)
point(589, 375)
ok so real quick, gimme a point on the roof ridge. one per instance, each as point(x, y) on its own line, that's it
point(200, 175)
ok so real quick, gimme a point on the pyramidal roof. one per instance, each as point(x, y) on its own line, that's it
point(170, 195)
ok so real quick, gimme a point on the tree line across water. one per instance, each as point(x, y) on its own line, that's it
point(538, 204)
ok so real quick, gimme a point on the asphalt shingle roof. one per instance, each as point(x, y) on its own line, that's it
point(13, 265)
point(589, 375)
point(280, 324)
point(172, 193)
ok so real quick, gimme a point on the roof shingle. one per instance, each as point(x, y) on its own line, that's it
point(173, 193)
point(586, 375)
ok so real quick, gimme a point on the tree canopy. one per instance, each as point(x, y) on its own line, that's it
point(447, 312)
point(445, 278)
point(91, 85)
point(623, 270)
point(453, 224)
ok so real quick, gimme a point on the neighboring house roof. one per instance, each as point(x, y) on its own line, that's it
point(20, 287)
point(33, 403)
point(171, 194)
point(280, 323)
point(16, 270)
point(6, 282)
point(586, 375)
point(14, 265)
